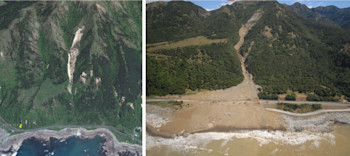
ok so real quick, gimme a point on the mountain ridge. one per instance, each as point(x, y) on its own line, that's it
point(282, 36)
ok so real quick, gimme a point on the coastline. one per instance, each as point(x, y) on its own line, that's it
point(320, 121)
point(204, 116)
point(10, 144)
point(313, 131)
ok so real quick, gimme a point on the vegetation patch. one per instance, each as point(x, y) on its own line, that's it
point(291, 96)
point(315, 97)
point(214, 66)
point(267, 96)
point(298, 108)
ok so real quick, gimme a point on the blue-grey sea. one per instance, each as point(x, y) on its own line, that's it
point(72, 146)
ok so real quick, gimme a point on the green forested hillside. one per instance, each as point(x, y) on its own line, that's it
point(198, 67)
point(337, 15)
point(178, 20)
point(205, 66)
point(293, 48)
point(298, 54)
point(36, 38)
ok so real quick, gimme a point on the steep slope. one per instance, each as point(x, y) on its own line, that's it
point(289, 52)
point(290, 49)
point(337, 15)
point(71, 63)
point(178, 20)
point(307, 13)
point(246, 90)
point(189, 48)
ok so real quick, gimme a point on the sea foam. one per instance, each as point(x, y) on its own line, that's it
point(200, 140)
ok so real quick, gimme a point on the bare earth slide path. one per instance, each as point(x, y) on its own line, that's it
point(246, 90)
point(228, 109)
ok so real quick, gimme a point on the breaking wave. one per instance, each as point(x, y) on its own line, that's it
point(199, 140)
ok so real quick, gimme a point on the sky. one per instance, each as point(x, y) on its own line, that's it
point(215, 4)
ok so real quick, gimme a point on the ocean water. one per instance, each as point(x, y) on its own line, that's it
point(72, 146)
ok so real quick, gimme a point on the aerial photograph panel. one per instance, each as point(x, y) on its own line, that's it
point(70, 78)
point(248, 77)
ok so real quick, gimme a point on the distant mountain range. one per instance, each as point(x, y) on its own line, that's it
point(291, 48)
point(330, 15)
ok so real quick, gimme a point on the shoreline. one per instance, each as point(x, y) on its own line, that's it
point(152, 131)
point(214, 116)
point(216, 140)
point(298, 131)
point(319, 121)
point(10, 144)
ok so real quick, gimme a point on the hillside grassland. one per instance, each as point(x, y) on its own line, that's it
point(194, 41)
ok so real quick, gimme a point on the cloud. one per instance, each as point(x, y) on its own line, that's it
point(226, 2)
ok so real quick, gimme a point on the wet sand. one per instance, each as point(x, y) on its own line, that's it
point(204, 116)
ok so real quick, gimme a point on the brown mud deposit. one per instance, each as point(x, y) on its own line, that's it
point(112, 146)
point(204, 116)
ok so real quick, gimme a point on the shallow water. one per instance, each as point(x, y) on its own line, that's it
point(72, 146)
point(253, 143)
